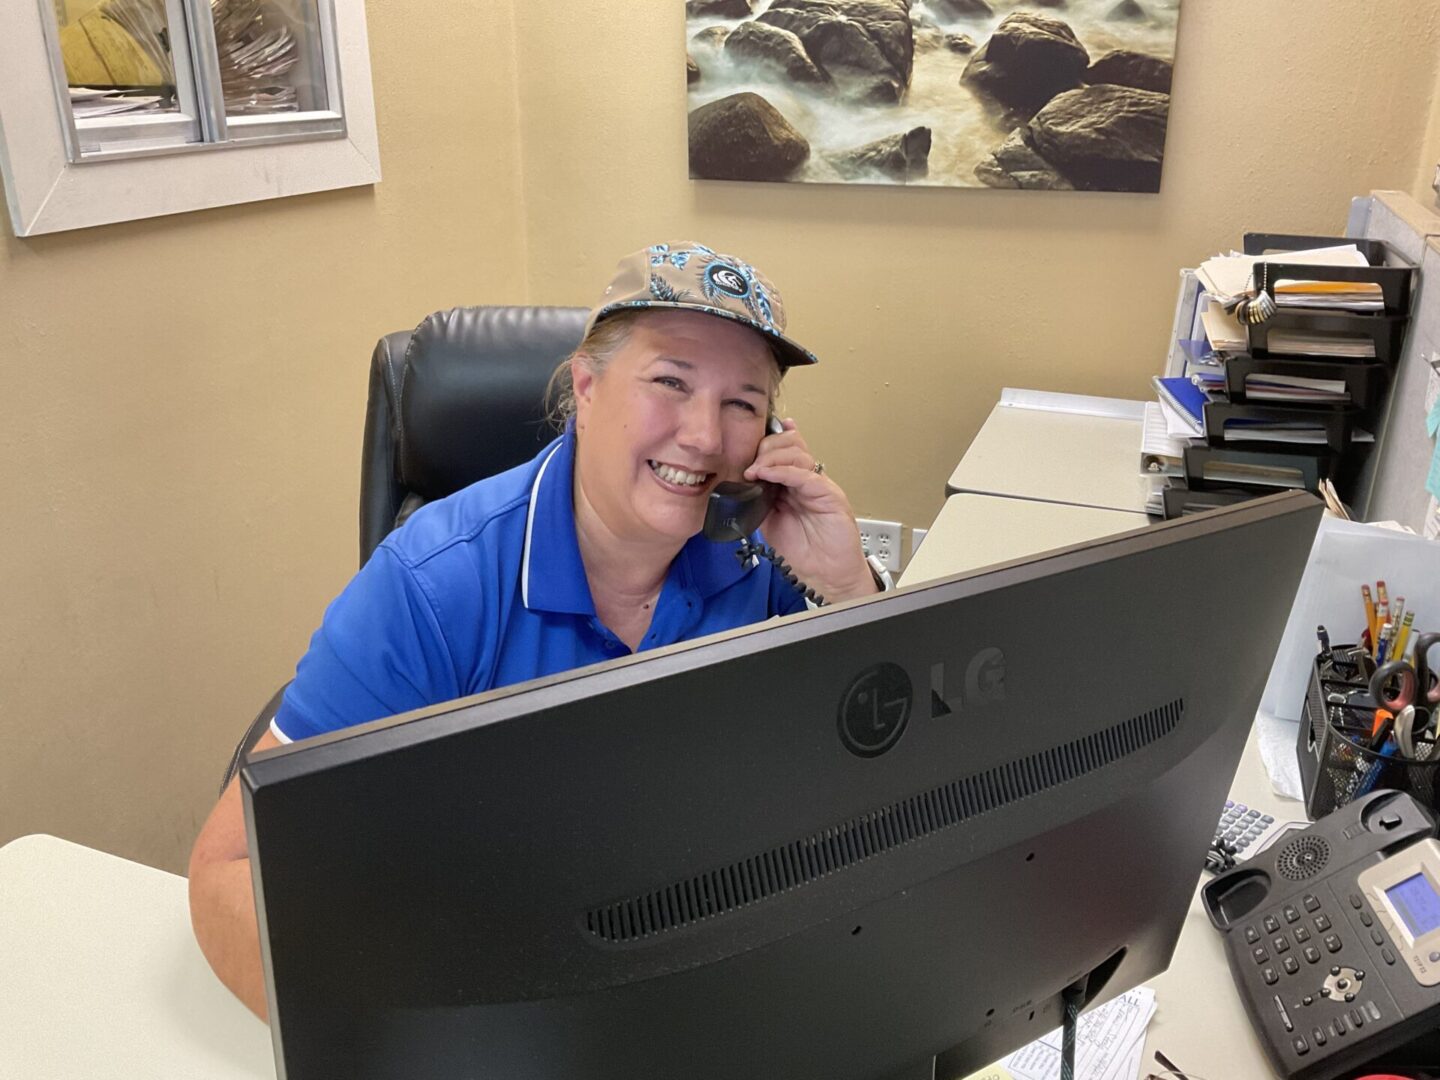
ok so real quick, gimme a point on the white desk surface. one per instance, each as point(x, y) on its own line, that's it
point(102, 978)
point(972, 531)
point(1056, 457)
point(1200, 1022)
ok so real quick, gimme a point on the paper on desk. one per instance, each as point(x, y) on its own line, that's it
point(1229, 275)
point(1108, 1043)
point(991, 1072)
point(1277, 739)
point(1223, 329)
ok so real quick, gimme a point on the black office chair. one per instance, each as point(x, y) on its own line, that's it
point(457, 399)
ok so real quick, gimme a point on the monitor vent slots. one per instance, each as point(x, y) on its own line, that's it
point(801, 862)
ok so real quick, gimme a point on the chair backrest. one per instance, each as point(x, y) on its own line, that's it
point(455, 400)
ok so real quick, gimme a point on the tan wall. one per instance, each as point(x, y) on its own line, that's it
point(180, 445)
point(180, 427)
point(1424, 190)
point(923, 303)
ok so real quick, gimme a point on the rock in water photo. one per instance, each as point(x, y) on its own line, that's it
point(1047, 94)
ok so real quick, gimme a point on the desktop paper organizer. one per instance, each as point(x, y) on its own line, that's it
point(1367, 381)
point(1388, 268)
point(1336, 765)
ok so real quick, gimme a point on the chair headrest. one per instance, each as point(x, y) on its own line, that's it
point(470, 400)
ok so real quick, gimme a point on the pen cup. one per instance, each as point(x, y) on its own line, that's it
point(1333, 747)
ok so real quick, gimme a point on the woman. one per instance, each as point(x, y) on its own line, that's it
point(588, 552)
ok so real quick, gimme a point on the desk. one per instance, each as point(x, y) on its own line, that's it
point(972, 531)
point(102, 977)
point(1200, 1023)
point(1055, 456)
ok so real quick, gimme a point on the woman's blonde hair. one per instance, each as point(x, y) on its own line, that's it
point(605, 339)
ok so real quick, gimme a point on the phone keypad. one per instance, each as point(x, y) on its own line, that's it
point(1298, 950)
point(1273, 935)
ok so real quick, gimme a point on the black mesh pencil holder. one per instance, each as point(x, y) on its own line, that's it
point(1336, 763)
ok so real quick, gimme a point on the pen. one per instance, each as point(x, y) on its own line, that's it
point(1369, 612)
point(1324, 636)
point(1382, 616)
point(1382, 647)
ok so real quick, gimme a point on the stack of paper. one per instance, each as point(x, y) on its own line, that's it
point(1226, 277)
point(86, 102)
point(1109, 1043)
point(1329, 295)
point(1303, 343)
point(1284, 431)
point(1264, 387)
point(1222, 328)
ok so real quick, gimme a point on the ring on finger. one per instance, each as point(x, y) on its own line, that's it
point(818, 468)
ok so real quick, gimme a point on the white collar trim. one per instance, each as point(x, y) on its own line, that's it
point(529, 525)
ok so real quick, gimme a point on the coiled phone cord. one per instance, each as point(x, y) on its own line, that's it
point(748, 549)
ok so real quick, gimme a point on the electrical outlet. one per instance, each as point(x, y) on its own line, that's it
point(881, 539)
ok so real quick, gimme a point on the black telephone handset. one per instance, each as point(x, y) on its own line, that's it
point(1333, 937)
point(736, 508)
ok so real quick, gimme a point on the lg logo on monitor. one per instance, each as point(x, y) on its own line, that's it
point(877, 703)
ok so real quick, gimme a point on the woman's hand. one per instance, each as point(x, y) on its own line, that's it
point(811, 525)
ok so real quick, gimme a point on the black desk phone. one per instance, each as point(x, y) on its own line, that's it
point(1333, 937)
point(736, 508)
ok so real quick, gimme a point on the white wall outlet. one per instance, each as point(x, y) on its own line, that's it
point(881, 539)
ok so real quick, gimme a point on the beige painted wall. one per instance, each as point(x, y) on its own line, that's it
point(923, 303)
point(180, 425)
point(180, 451)
point(1423, 191)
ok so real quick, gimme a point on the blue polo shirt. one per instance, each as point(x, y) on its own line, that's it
point(486, 588)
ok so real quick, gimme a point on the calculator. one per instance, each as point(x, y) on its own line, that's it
point(1239, 826)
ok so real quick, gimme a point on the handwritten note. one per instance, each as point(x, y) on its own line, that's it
point(1109, 1042)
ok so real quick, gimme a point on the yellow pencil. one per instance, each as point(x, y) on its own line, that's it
point(1369, 614)
point(1404, 637)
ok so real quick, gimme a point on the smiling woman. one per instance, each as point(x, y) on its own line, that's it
point(591, 551)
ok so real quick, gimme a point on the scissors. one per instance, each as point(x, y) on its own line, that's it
point(1415, 699)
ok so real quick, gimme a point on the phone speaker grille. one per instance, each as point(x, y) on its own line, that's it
point(802, 862)
point(1302, 858)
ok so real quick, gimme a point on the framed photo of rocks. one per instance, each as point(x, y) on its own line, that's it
point(1046, 94)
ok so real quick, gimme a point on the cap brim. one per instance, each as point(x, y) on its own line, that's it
point(788, 353)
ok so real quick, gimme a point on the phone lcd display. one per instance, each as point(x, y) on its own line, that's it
point(1417, 904)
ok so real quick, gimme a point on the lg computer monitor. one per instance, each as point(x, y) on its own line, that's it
point(871, 841)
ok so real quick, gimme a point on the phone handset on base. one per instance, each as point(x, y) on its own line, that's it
point(735, 509)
